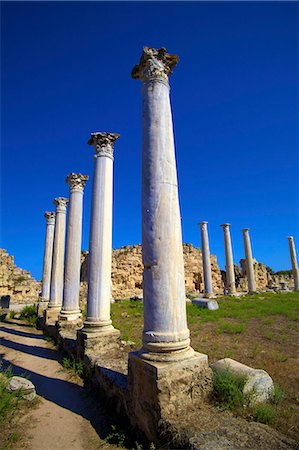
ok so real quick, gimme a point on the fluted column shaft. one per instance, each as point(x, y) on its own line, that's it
point(100, 243)
point(70, 306)
point(56, 290)
point(206, 260)
point(294, 262)
point(165, 326)
point(229, 261)
point(48, 253)
point(249, 261)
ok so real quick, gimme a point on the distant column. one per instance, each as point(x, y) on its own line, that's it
point(229, 267)
point(206, 260)
point(56, 289)
point(249, 261)
point(100, 244)
point(48, 253)
point(70, 311)
point(294, 262)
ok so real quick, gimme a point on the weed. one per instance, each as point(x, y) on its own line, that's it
point(279, 357)
point(228, 389)
point(29, 314)
point(277, 395)
point(12, 314)
point(73, 366)
point(116, 437)
point(265, 413)
point(230, 328)
point(269, 335)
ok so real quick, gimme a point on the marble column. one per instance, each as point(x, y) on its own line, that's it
point(206, 260)
point(48, 252)
point(229, 261)
point(56, 289)
point(294, 262)
point(98, 321)
point(249, 261)
point(70, 311)
point(165, 326)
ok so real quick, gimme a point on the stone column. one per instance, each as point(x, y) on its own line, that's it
point(156, 371)
point(249, 262)
point(206, 260)
point(70, 313)
point(47, 264)
point(294, 262)
point(56, 288)
point(229, 267)
point(98, 323)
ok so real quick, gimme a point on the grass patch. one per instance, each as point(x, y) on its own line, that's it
point(265, 413)
point(76, 367)
point(230, 328)
point(228, 389)
point(29, 315)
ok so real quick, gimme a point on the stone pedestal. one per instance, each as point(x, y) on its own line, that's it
point(98, 322)
point(206, 260)
point(294, 262)
point(249, 262)
point(70, 315)
point(160, 390)
point(94, 344)
point(56, 289)
point(229, 261)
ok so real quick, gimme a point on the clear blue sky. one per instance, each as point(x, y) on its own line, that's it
point(66, 73)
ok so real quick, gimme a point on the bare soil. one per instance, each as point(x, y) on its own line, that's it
point(65, 417)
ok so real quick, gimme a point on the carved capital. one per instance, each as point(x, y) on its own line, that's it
point(290, 238)
point(103, 143)
point(50, 216)
point(154, 64)
point(245, 230)
point(60, 203)
point(225, 225)
point(76, 181)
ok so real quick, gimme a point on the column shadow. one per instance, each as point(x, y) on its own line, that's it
point(33, 350)
point(22, 333)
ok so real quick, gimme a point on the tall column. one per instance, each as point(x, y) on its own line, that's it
point(47, 264)
point(70, 311)
point(206, 260)
point(249, 261)
point(56, 289)
point(165, 325)
point(166, 358)
point(294, 262)
point(98, 319)
point(229, 261)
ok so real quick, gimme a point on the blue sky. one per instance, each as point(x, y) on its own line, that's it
point(66, 73)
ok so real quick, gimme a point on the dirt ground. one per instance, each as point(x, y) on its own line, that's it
point(65, 417)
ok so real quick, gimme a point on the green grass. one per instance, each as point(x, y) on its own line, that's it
point(265, 413)
point(230, 328)
point(228, 389)
point(12, 314)
point(28, 314)
point(76, 367)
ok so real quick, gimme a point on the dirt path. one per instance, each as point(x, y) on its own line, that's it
point(65, 418)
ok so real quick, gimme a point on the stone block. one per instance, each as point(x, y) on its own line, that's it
point(96, 343)
point(26, 386)
point(259, 385)
point(159, 390)
point(51, 315)
point(206, 303)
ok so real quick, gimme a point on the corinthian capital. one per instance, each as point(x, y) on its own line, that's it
point(50, 216)
point(103, 143)
point(154, 64)
point(60, 203)
point(76, 181)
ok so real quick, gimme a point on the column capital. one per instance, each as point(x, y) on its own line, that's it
point(202, 224)
point(103, 143)
point(225, 225)
point(154, 64)
point(76, 181)
point(290, 238)
point(60, 203)
point(245, 229)
point(50, 216)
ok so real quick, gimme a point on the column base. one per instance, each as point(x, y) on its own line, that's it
point(51, 315)
point(41, 306)
point(96, 342)
point(71, 320)
point(208, 295)
point(161, 390)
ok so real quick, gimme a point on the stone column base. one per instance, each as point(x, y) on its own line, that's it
point(41, 306)
point(51, 315)
point(208, 295)
point(70, 320)
point(96, 343)
point(161, 390)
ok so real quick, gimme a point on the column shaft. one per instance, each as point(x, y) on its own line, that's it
point(229, 267)
point(56, 289)
point(48, 253)
point(206, 260)
point(294, 262)
point(249, 261)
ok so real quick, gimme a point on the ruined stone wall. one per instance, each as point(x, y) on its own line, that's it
point(127, 271)
point(16, 282)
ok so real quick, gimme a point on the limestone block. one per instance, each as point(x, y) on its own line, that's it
point(26, 386)
point(206, 303)
point(259, 384)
